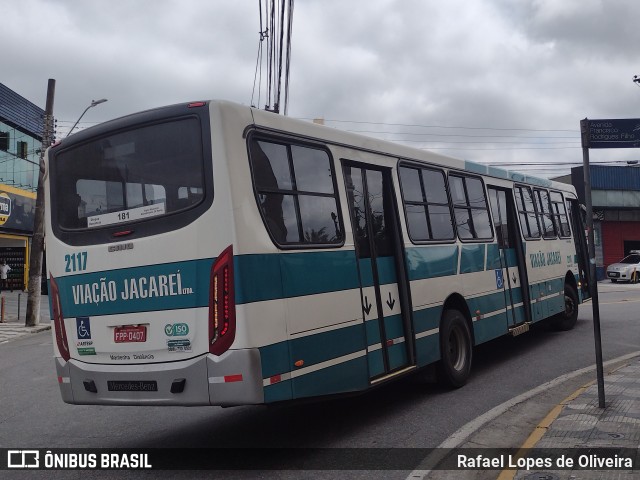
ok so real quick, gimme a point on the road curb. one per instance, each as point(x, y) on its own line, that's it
point(467, 433)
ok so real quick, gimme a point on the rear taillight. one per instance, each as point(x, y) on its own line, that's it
point(58, 321)
point(222, 305)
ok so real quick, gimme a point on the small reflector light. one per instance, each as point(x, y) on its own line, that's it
point(59, 379)
point(232, 378)
point(56, 143)
point(275, 379)
point(389, 343)
point(123, 233)
point(299, 363)
point(196, 104)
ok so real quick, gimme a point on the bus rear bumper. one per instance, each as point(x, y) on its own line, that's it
point(234, 378)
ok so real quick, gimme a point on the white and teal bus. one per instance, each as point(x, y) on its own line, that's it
point(215, 254)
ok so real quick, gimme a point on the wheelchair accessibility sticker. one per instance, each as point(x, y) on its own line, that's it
point(83, 332)
point(499, 279)
point(84, 328)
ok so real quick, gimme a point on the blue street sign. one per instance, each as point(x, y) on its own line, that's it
point(611, 133)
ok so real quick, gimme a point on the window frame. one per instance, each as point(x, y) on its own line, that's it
point(556, 215)
point(288, 142)
point(527, 212)
point(469, 208)
point(151, 226)
point(538, 200)
point(425, 203)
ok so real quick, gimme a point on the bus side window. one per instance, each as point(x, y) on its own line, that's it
point(426, 204)
point(559, 213)
point(270, 173)
point(295, 191)
point(470, 208)
point(544, 213)
point(527, 213)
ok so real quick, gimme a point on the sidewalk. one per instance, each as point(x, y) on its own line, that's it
point(611, 432)
point(15, 303)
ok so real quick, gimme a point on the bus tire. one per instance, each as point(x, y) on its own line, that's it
point(456, 350)
point(567, 319)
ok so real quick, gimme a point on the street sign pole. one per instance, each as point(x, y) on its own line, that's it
point(593, 284)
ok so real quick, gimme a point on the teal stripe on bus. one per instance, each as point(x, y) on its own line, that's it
point(148, 288)
point(431, 261)
point(321, 347)
point(316, 348)
point(489, 328)
point(257, 278)
point(472, 258)
point(366, 272)
point(376, 363)
point(493, 257)
point(427, 350)
point(397, 355)
point(487, 303)
point(349, 376)
point(275, 276)
point(275, 359)
point(512, 259)
point(372, 327)
point(427, 319)
point(278, 392)
point(393, 326)
point(519, 314)
point(427, 347)
point(386, 271)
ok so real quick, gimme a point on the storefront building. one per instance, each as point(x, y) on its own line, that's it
point(21, 131)
point(615, 196)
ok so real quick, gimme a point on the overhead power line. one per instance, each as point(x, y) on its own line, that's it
point(276, 28)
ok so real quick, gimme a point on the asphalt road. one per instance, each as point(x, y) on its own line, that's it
point(406, 414)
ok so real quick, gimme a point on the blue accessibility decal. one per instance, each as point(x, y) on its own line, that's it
point(83, 328)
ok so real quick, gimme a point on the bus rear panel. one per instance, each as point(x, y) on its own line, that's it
point(141, 265)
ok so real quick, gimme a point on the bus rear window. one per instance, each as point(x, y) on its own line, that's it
point(129, 176)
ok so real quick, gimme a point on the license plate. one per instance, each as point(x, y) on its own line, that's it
point(130, 333)
point(132, 385)
point(614, 274)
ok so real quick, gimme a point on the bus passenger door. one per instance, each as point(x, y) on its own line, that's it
point(378, 247)
point(514, 278)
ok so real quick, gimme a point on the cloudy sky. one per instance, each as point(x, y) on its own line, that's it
point(494, 81)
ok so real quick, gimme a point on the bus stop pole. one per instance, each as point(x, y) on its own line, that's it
point(593, 282)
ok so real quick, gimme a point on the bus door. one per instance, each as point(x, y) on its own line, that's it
point(514, 277)
point(582, 253)
point(379, 253)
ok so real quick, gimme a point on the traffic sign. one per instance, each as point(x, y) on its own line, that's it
point(611, 133)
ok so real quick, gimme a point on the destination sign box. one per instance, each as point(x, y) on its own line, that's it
point(611, 133)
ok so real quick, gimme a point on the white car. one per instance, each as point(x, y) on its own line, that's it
point(627, 269)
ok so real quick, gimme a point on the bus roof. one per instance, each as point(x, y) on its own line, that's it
point(269, 120)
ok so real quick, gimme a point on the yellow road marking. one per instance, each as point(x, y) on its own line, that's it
point(540, 430)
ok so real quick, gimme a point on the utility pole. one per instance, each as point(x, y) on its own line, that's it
point(37, 242)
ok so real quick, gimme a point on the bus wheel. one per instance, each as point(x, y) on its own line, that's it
point(567, 319)
point(456, 350)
